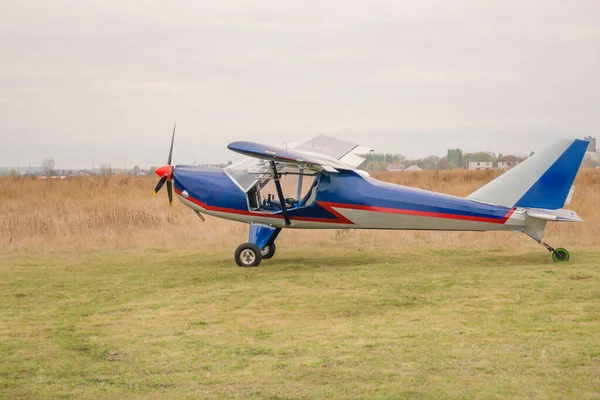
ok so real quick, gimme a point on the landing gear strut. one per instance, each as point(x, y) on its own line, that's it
point(558, 255)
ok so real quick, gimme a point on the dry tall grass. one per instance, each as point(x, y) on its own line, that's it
point(119, 212)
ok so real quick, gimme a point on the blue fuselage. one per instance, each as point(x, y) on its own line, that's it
point(343, 200)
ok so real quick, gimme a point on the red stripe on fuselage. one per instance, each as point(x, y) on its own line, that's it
point(340, 219)
point(502, 220)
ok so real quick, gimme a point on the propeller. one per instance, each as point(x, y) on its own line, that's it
point(166, 172)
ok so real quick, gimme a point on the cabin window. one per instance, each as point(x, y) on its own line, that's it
point(262, 197)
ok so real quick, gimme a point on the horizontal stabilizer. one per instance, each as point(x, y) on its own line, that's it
point(542, 181)
point(554, 215)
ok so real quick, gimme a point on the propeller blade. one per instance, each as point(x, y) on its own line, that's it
point(172, 140)
point(170, 192)
point(160, 184)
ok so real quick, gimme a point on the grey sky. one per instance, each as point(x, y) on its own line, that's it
point(82, 79)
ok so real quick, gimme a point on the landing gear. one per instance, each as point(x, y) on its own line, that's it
point(268, 251)
point(248, 255)
point(263, 237)
point(558, 255)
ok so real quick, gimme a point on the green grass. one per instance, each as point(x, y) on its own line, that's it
point(338, 323)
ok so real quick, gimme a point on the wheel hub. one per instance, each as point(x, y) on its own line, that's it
point(247, 256)
point(265, 250)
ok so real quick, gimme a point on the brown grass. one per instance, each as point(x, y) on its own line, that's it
point(119, 212)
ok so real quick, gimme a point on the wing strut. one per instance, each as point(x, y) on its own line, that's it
point(276, 177)
point(300, 177)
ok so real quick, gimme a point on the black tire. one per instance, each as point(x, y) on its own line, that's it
point(268, 251)
point(248, 255)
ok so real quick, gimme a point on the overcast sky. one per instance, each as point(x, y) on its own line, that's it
point(82, 79)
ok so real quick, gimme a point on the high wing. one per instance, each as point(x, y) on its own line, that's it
point(271, 153)
point(316, 153)
point(341, 150)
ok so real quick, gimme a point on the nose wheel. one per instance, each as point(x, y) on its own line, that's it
point(248, 255)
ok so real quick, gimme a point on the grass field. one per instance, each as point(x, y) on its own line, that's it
point(106, 292)
point(394, 323)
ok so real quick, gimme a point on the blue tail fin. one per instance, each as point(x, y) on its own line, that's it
point(541, 181)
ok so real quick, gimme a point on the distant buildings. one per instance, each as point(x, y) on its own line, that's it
point(480, 165)
point(507, 162)
point(402, 167)
point(396, 167)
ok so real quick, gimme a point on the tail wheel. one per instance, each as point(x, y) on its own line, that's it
point(248, 255)
point(268, 251)
point(560, 255)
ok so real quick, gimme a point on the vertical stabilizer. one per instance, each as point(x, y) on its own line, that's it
point(542, 181)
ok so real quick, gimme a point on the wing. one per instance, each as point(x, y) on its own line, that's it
point(345, 152)
point(271, 153)
point(316, 153)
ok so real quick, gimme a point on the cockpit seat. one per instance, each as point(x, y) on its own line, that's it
point(310, 196)
point(273, 206)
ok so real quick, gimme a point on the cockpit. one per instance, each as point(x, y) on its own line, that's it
point(263, 197)
point(299, 186)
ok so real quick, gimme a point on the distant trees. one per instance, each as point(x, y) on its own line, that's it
point(380, 161)
point(106, 170)
point(455, 157)
point(443, 163)
point(136, 169)
point(429, 162)
point(49, 165)
point(480, 156)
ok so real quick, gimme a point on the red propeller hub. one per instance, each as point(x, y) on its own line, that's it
point(164, 170)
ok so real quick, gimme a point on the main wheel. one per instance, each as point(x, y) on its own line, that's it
point(560, 255)
point(268, 251)
point(247, 255)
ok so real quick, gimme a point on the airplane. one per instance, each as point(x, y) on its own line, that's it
point(341, 196)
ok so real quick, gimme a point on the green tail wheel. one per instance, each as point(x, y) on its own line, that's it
point(560, 255)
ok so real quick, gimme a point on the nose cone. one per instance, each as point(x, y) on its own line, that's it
point(164, 170)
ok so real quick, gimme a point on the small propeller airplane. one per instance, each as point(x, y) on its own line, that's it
point(523, 199)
